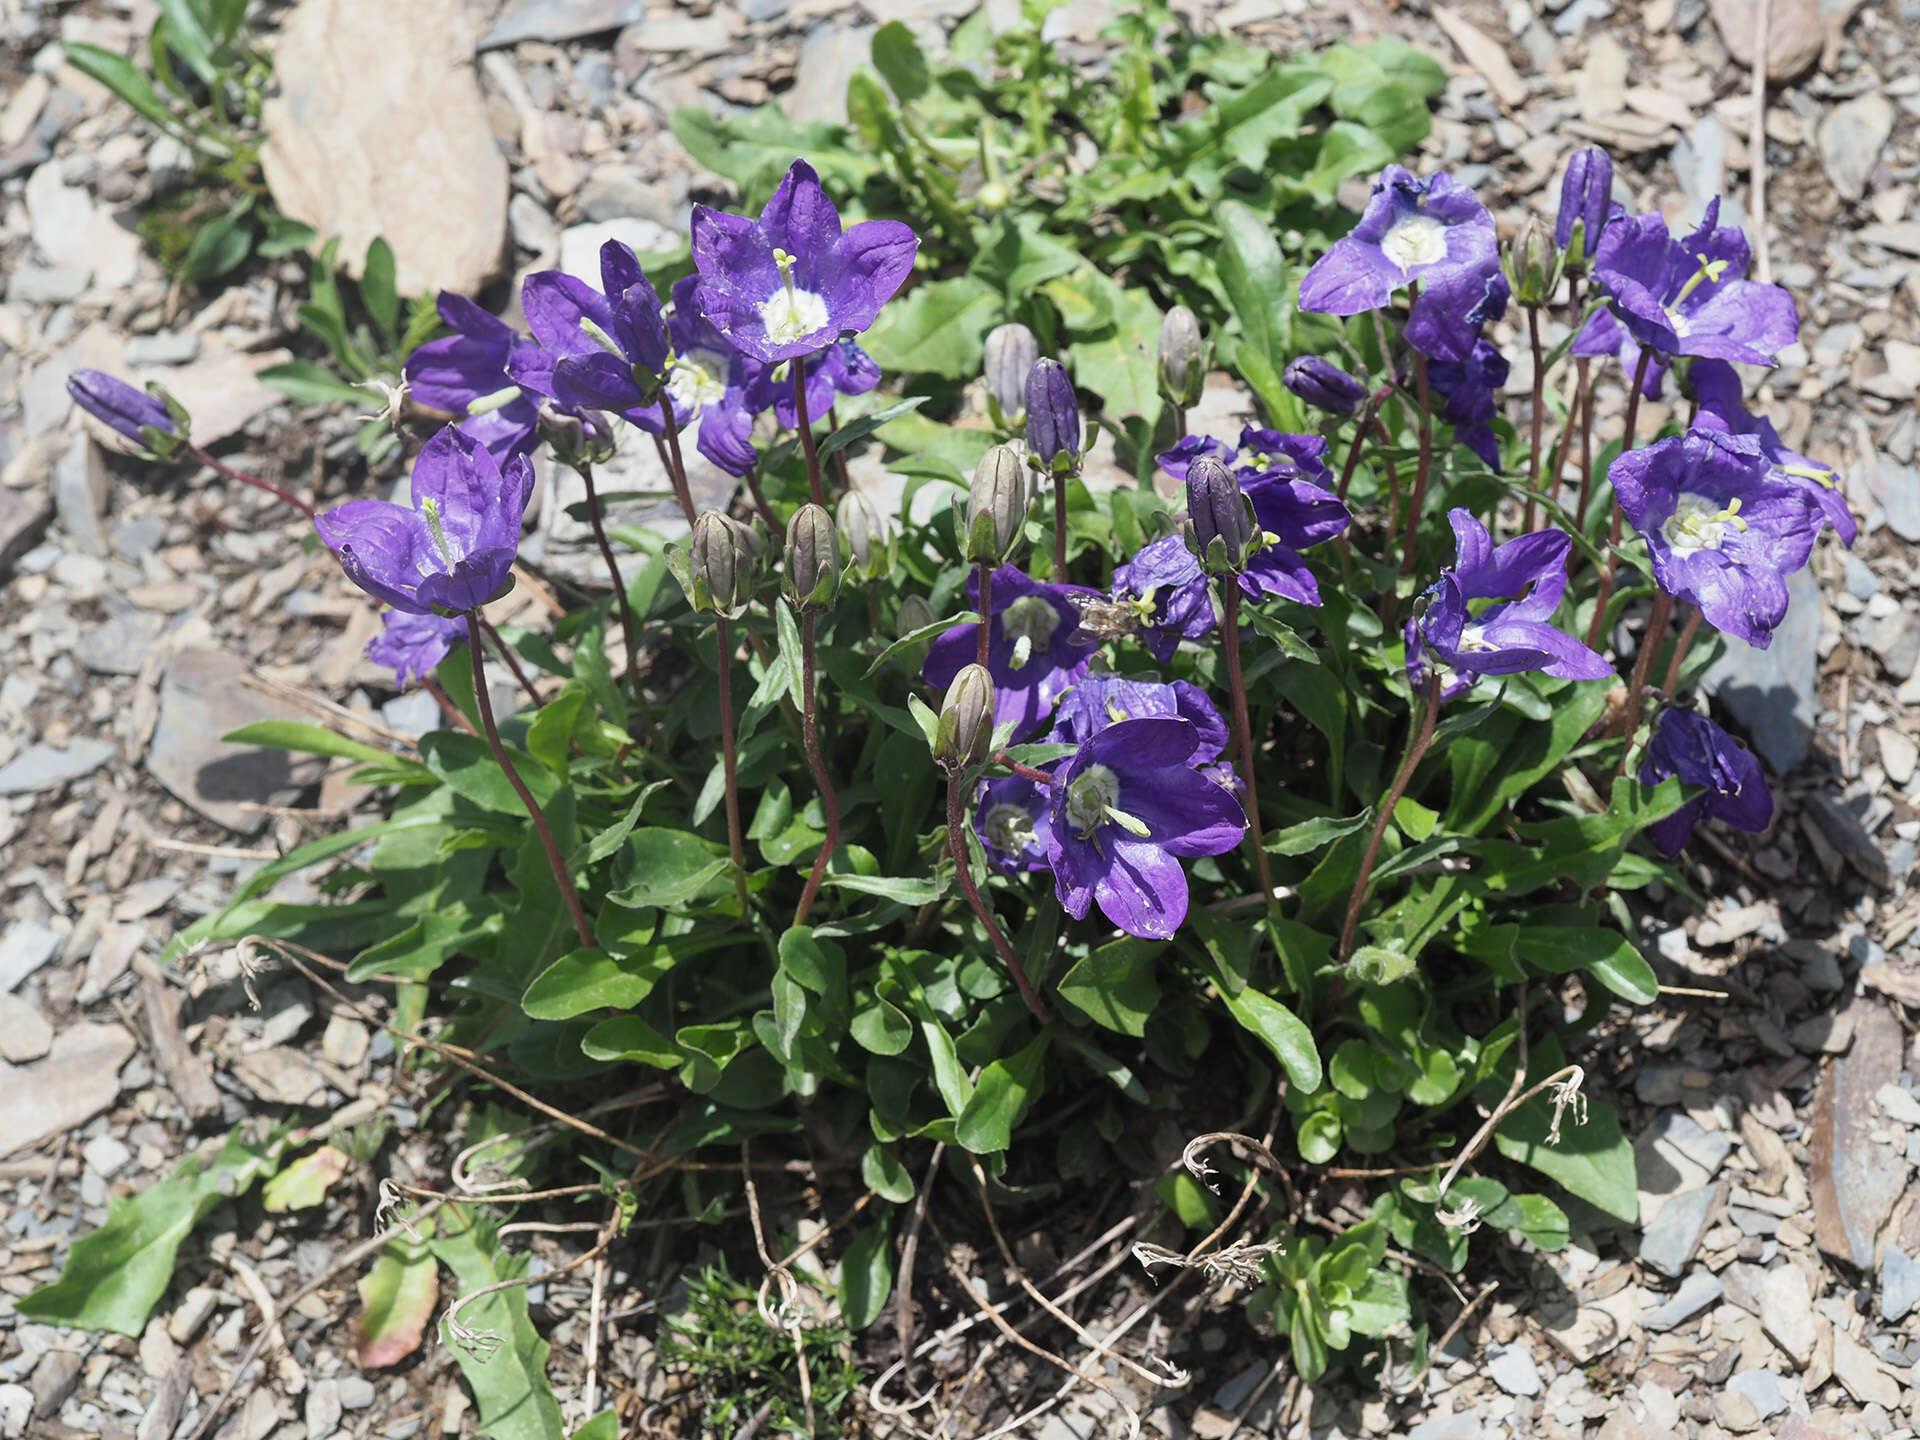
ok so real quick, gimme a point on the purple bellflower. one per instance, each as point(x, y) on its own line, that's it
point(1324, 385)
point(1163, 582)
point(1526, 578)
point(1603, 335)
point(1257, 454)
point(452, 548)
point(414, 644)
point(1691, 296)
point(1586, 200)
point(1469, 389)
point(1720, 530)
point(1701, 753)
point(1716, 385)
point(792, 282)
point(1285, 477)
point(1125, 806)
point(1014, 823)
point(1432, 231)
point(598, 351)
point(1036, 648)
point(119, 406)
point(466, 375)
point(1098, 701)
point(708, 383)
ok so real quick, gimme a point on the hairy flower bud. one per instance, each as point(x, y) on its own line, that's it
point(964, 735)
point(1053, 419)
point(996, 506)
point(1586, 202)
point(1183, 357)
point(1532, 264)
point(1324, 385)
point(865, 533)
point(812, 579)
point(1222, 521)
point(721, 565)
point(1011, 351)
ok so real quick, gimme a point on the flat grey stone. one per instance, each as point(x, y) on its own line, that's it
point(178, 348)
point(77, 1079)
point(43, 767)
point(47, 284)
point(1850, 139)
point(580, 244)
point(25, 947)
point(830, 54)
point(1233, 1394)
point(1786, 1312)
point(24, 518)
point(1669, 1242)
point(119, 644)
point(556, 20)
point(1699, 1290)
point(80, 495)
point(1896, 489)
point(24, 1032)
point(1462, 1425)
point(1899, 1283)
point(1763, 1388)
point(1512, 1369)
point(1771, 691)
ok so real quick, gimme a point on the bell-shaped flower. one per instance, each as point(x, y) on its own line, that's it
point(1011, 817)
point(792, 282)
point(1586, 206)
point(452, 548)
point(1604, 335)
point(1701, 753)
point(1324, 385)
point(603, 349)
point(1468, 392)
point(412, 645)
point(1036, 647)
point(1164, 585)
point(843, 368)
point(1097, 701)
point(1125, 807)
point(1691, 296)
point(1716, 386)
point(1525, 578)
point(465, 375)
point(1720, 530)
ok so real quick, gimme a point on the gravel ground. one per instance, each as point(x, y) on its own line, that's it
point(1772, 1286)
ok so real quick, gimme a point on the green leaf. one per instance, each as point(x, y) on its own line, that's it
point(509, 1382)
point(1593, 1161)
point(397, 1299)
point(1255, 276)
point(1346, 149)
point(897, 57)
point(1192, 1205)
point(1115, 985)
point(665, 868)
point(116, 1275)
point(882, 1027)
point(1313, 835)
point(1280, 1030)
point(604, 1426)
point(628, 1037)
point(1319, 1137)
point(550, 737)
point(304, 1184)
point(866, 1275)
point(882, 1172)
point(221, 244)
point(919, 636)
point(854, 431)
point(594, 980)
point(938, 328)
point(187, 37)
point(1380, 1304)
point(311, 384)
point(377, 289)
point(592, 668)
point(615, 835)
point(1120, 365)
point(1605, 954)
point(306, 739)
point(985, 1125)
point(905, 890)
point(120, 76)
point(466, 763)
point(1242, 128)
point(754, 150)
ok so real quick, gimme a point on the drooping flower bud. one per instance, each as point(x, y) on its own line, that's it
point(865, 533)
point(1532, 265)
point(1586, 202)
point(996, 506)
point(964, 735)
point(1223, 530)
point(812, 580)
point(1011, 351)
point(720, 565)
point(1053, 419)
point(1183, 357)
point(1324, 385)
point(151, 418)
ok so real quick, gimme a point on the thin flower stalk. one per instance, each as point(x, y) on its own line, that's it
point(1685, 643)
point(629, 632)
point(1416, 502)
point(1243, 739)
point(254, 480)
point(840, 455)
point(676, 466)
point(963, 871)
point(1416, 752)
point(729, 759)
point(815, 487)
point(986, 612)
point(1643, 663)
point(510, 660)
point(534, 813)
point(810, 739)
point(765, 511)
point(1539, 417)
point(1599, 621)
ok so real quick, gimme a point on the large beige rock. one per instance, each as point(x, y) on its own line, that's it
point(380, 129)
point(1795, 33)
point(79, 1079)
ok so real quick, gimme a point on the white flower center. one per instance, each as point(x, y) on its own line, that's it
point(1473, 640)
point(1416, 240)
point(1030, 622)
point(792, 314)
point(1090, 796)
point(1010, 829)
point(697, 379)
point(1698, 524)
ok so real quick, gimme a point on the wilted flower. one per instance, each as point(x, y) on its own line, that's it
point(1701, 753)
point(1217, 511)
point(1008, 358)
point(414, 644)
point(792, 282)
point(1586, 207)
point(1691, 296)
point(812, 578)
point(602, 351)
point(1010, 817)
point(1324, 385)
point(1097, 701)
point(1507, 637)
point(1716, 385)
point(465, 375)
point(996, 506)
point(1720, 530)
point(133, 413)
point(1035, 646)
point(453, 548)
point(964, 734)
point(1165, 582)
point(1053, 419)
point(1124, 806)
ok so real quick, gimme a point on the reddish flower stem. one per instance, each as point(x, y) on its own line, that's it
point(676, 466)
point(986, 611)
point(805, 426)
point(534, 813)
point(963, 871)
point(1539, 417)
point(254, 480)
point(1416, 751)
point(1613, 532)
point(810, 738)
point(1039, 777)
point(1243, 734)
point(1643, 664)
point(1583, 386)
point(1359, 443)
point(1684, 644)
point(840, 455)
point(729, 760)
point(511, 660)
point(452, 711)
point(775, 529)
point(629, 632)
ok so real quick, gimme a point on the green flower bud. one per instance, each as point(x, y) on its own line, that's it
point(812, 580)
point(1533, 265)
point(865, 534)
point(996, 506)
point(914, 614)
point(720, 565)
point(1010, 353)
point(964, 736)
point(1183, 357)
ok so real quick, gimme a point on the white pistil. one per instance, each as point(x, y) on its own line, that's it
point(1030, 621)
point(1416, 240)
point(1009, 829)
point(791, 314)
point(431, 510)
point(1090, 798)
point(1698, 524)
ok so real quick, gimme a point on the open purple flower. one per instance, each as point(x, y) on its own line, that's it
point(1011, 817)
point(1454, 309)
point(1691, 296)
point(1701, 753)
point(1525, 578)
point(1035, 650)
point(1256, 455)
point(465, 375)
point(603, 351)
point(792, 282)
point(1164, 582)
point(1189, 448)
point(709, 384)
point(119, 406)
point(452, 548)
point(1125, 806)
point(414, 644)
point(1716, 385)
point(1720, 530)
point(1604, 335)
point(1293, 514)
point(1469, 389)
point(1097, 701)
